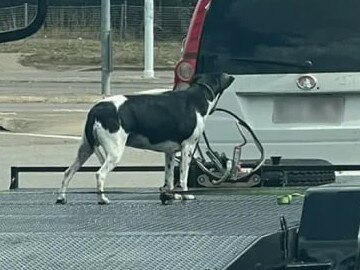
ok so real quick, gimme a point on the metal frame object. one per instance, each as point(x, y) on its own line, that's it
point(227, 171)
point(15, 170)
point(32, 28)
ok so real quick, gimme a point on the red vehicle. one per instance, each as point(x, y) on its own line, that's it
point(186, 67)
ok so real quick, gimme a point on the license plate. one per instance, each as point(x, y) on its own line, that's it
point(308, 110)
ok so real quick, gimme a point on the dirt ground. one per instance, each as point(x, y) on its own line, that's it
point(11, 62)
point(60, 54)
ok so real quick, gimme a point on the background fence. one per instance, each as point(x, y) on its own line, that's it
point(171, 23)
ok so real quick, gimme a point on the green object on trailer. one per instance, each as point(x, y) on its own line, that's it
point(287, 199)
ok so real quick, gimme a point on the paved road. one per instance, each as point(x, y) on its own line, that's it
point(8, 108)
point(36, 75)
point(60, 119)
point(74, 88)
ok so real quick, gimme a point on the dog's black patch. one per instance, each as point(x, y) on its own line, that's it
point(3, 129)
point(105, 113)
point(165, 117)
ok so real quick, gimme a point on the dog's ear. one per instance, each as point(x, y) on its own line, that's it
point(208, 78)
point(196, 78)
point(226, 80)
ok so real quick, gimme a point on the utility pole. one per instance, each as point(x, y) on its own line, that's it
point(149, 39)
point(26, 14)
point(106, 49)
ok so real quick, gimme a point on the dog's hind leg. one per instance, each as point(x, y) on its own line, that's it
point(114, 146)
point(99, 155)
point(84, 152)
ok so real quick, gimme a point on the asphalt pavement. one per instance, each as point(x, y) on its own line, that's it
point(44, 113)
point(33, 85)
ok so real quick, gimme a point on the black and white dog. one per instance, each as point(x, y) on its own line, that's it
point(169, 122)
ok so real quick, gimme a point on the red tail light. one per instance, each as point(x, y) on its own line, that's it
point(185, 68)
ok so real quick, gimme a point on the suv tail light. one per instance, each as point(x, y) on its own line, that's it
point(185, 68)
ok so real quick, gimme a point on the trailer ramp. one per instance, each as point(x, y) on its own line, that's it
point(135, 231)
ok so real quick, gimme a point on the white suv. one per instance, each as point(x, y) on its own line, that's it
point(296, 65)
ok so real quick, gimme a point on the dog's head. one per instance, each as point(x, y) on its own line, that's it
point(217, 82)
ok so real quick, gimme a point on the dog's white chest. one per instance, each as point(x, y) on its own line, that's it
point(198, 130)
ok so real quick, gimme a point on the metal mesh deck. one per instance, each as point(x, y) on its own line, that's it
point(134, 232)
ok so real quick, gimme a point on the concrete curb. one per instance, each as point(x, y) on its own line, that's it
point(87, 74)
point(50, 99)
point(88, 79)
point(128, 68)
point(135, 81)
point(62, 99)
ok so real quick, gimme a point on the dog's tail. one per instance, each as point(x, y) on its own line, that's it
point(91, 137)
point(105, 114)
point(89, 129)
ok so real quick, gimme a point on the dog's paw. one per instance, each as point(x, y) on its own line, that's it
point(166, 197)
point(104, 201)
point(178, 196)
point(189, 197)
point(61, 201)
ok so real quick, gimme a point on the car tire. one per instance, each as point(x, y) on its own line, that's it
point(299, 178)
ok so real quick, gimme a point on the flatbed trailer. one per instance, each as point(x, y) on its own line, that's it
point(221, 229)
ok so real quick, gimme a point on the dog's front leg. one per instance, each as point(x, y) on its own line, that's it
point(166, 192)
point(169, 171)
point(186, 155)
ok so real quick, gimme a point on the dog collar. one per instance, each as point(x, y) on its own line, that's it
point(208, 88)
